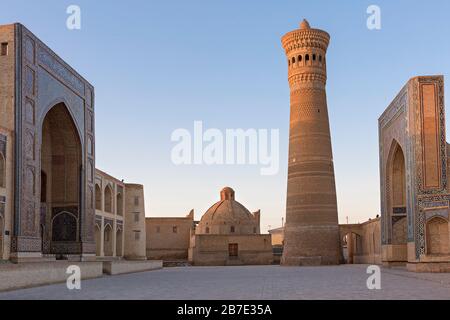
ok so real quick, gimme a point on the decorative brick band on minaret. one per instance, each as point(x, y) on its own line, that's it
point(311, 234)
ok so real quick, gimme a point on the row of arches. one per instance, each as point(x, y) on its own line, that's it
point(437, 236)
point(306, 60)
point(104, 201)
point(108, 242)
point(365, 248)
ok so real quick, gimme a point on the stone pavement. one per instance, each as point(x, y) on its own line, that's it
point(250, 282)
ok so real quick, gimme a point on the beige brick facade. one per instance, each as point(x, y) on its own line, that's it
point(54, 204)
point(135, 236)
point(168, 237)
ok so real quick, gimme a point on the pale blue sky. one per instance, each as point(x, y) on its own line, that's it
point(159, 66)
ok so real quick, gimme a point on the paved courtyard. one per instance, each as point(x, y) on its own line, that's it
point(250, 282)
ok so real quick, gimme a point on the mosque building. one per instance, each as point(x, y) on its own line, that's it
point(227, 234)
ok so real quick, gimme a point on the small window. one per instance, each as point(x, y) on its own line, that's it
point(137, 235)
point(207, 230)
point(107, 233)
point(289, 62)
point(136, 201)
point(2, 206)
point(2, 171)
point(2, 209)
point(158, 229)
point(320, 58)
point(119, 204)
point(293, 60)
point(254, 229)
point(307, 57)
point(43, 186)
point(175, 229)
point(98, 197)
point(108, 195)
point(136, 217)
point(4, 49)
point(299, 58)
point(232, 229)
point(314, 57)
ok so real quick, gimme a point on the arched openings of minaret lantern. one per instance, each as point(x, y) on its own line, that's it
point(307, 60)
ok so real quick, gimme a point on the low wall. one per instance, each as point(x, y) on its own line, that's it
point(394, 253)
point(368, 259)
point(434, 267)
point(212, 250)
point(124, 266)
point(26, 275)
point(167, 254)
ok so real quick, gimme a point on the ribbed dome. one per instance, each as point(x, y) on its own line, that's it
point(228, 217)
point(229, 211)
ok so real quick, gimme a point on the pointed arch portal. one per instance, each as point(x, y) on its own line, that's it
point(61, 163)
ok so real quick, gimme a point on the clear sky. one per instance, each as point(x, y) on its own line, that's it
point(159, 66)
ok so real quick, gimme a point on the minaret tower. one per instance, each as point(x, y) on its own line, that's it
point(311, 234)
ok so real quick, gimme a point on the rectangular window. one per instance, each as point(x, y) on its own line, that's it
point(136, 217)
point(175, 229)
point(137, 235)
point(136, 201)
point(4, 49)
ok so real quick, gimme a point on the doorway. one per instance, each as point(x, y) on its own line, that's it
point(233, 250)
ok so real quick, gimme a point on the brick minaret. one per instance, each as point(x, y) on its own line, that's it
point(311, 231)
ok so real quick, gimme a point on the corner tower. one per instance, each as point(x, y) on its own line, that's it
point(311, 230)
